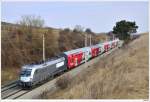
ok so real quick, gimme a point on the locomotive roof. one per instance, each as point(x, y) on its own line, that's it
point(41, 64)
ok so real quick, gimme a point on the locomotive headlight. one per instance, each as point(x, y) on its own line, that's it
point(30, 79)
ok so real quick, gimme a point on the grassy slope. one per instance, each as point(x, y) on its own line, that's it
point(121, 75)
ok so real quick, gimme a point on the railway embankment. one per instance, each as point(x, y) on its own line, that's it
point(121, 75)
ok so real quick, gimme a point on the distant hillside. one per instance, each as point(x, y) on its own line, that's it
point(124, 74)
point(20, 47)
point(8, 24)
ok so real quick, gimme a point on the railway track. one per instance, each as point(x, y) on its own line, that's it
point(16, 94)
point(8, 87)
point(8, 84)
point(12, 91)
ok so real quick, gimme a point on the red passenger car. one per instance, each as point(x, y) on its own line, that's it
point(113, 45)
point(116, 42)
point(95, 51)
point(106, 46)
point(75, 57)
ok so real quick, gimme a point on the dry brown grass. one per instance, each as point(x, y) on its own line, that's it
point(63, 82)
point(121, 75)
point(9, 75)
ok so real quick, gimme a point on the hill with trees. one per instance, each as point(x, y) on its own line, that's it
point(21, 43)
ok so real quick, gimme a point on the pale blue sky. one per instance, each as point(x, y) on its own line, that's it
point(99, 16)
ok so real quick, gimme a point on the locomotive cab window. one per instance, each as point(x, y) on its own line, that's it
point(36, 71)
point(26, 73)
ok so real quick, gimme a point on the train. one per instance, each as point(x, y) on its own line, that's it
point(35, 73)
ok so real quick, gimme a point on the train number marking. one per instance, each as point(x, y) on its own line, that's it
point(59, 64)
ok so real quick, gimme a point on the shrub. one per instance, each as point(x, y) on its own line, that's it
point(43, 95)
point(63, 82)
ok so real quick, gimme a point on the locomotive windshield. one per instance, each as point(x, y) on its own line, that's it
point(25, 73)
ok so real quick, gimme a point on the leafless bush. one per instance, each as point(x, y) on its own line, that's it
point(63, 82)
point(43, 95)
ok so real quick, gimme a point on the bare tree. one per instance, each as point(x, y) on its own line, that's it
point(28, 23)
point(78, 28)
point(31, 21)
